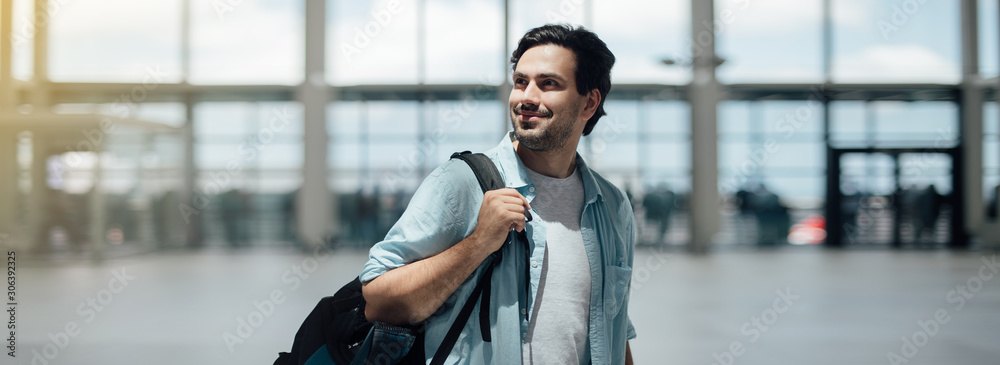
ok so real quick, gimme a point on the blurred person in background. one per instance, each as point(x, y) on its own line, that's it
point(659, 205)
point(773, 219)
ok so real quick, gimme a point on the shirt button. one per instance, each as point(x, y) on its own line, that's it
point(531, 189)
point(534, 264)
point(524, 311)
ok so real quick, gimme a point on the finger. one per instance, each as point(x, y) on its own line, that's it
point(521, 199)
point(509, 194)
point(512, 202)
point(513, 194)
point(519, 209)
point(518, 225)
point(527, 206)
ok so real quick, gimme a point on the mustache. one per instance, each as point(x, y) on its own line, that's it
point(534, 109)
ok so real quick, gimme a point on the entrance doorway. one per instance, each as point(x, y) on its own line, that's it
point(898, 197)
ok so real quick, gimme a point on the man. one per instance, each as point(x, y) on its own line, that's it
point(562, 297)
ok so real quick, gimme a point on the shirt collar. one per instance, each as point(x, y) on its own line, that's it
point(516, 174)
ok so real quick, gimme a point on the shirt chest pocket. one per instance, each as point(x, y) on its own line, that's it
point(617, 280)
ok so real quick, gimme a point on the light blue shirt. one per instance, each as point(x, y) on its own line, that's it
point(445, 209)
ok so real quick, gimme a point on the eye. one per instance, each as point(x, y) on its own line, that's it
point(520, 81)
point(550, 83)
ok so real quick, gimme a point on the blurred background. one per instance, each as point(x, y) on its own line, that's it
point(239, 139)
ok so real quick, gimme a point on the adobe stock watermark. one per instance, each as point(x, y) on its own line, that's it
point(869, 211)
point(122, 107)
point(902, 12)
point(11, 301)
point(756, 327)
point(643, 271)
point(872, 209)
point(615, 128)
point(941, 145)
point(246, 151)
point(26, 33)
point(87, 310)
point(788, 125)
point(566, 9)
point(225, 6)
point(910, 345)
point(452, 118)
point(718, 26)
point(364, 35)
point(265, 308)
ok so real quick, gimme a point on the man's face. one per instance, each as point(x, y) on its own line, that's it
point(545, 108)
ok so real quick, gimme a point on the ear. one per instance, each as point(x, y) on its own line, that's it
point(593, 100)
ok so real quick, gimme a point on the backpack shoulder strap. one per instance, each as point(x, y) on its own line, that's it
point(489, 179)
point(486, 171)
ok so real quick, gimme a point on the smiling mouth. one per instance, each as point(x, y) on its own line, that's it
point(531, 116)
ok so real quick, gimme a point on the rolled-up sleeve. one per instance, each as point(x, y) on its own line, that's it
point(441, 213)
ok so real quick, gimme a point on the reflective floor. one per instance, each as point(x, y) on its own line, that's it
point(795, 306)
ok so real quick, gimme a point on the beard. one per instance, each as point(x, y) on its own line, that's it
point(544, 135)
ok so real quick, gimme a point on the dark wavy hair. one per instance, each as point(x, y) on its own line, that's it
point(593, 59)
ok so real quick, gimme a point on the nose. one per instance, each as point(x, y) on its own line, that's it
point(531, 95)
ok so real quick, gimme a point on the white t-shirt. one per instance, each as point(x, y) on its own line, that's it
point(558, 327)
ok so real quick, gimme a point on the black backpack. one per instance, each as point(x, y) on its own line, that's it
point(337, 332)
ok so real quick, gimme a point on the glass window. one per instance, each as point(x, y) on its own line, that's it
point(392, 118)
point(372, 42)
point(615, 158)
point(921, 124)
point(460, 125)
point(772, 160)
point(264, 135)
point(870, 173)
point(935, 122)
point(468, 117)
point(770, 40)
point(779, 143)
point(656, 29)
point(171, 114)
point(923, 169)
point(115, 41)
point(799, 191)
point(989, 63)
point(220, 120)
point(531, 14)
point(375, 141)
point(991, 150)
point(22, 38)
point(673, 158)
point(247, 42)
point(848, 121)
point(667, 118)
point(167, 113)
point(345, 156)
point(890, 41)
point(611, 147)
point(344, 122)
point(664, 140)
point(465, 42)
point(781, 120)
point(249, 157)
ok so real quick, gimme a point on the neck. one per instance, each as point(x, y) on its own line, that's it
point(558, 164)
